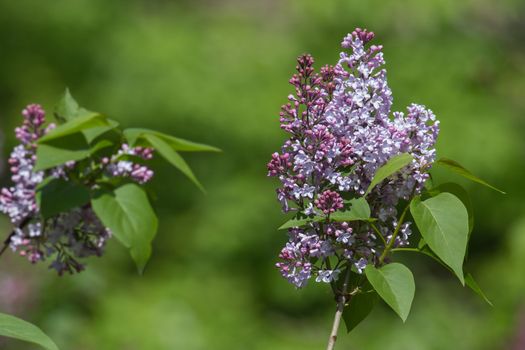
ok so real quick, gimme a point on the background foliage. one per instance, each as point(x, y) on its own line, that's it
point(216, 72)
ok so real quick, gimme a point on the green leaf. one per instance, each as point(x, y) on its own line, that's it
point(74, 126)
point(359, 211)
point(59, 196)
point(392, 166)
point(126, 211)
point(443, 223)
point(395, 285)
point(454, 166)
point(472, 284)
point(462, 194)
point(16, 328)
point(93, 133)
point(58, 151)
point(177, 144)
point(68, 148)
point(300, 221)
point(358, 308)
point(173, 157)
point(68, 109)
point(100, 145)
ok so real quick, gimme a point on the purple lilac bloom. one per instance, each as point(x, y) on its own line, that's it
point(341, 131)
point(117, 166)
point(71, 235)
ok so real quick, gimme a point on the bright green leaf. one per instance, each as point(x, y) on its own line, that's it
point(74, 126)
point(443, 223)
point(100, 145)
point(126, 211)
point(472, 284)
point(16, 328)
point(93, 133)
point(392, 166)
point(173, 157)
point(300, 221)
point(359, 211)
point(462, 194)
point(395, 285)
point(69, 148)
point(59, 196)
point(68, 109)
point(177, 144)
point(133, 135)
point(58, 151)
point(358, 308)
point(454, 166)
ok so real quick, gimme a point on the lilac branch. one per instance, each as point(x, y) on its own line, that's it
point(341, 302)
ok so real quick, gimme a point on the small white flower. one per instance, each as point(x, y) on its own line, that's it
point(327, 276)
point(361, 265)
point(309, 210)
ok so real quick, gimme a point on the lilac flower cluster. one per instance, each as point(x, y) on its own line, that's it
point(67, 236)
point(118, 167)
point(19, 202)
point(341, 131)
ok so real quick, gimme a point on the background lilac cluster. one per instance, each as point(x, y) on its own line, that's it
point(341, 131)
point(67, 236)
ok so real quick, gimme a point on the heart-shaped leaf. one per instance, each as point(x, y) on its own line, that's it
point(358, 308)
point(443, 223)
point(462, 194)
point(59, 195)
point(126, 211)
point(395, 285)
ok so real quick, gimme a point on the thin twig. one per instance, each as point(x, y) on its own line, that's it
point(396, 231)
point(341, 301)
point(394, 236)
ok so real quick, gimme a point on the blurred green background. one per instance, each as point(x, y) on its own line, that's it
point(217, 72)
